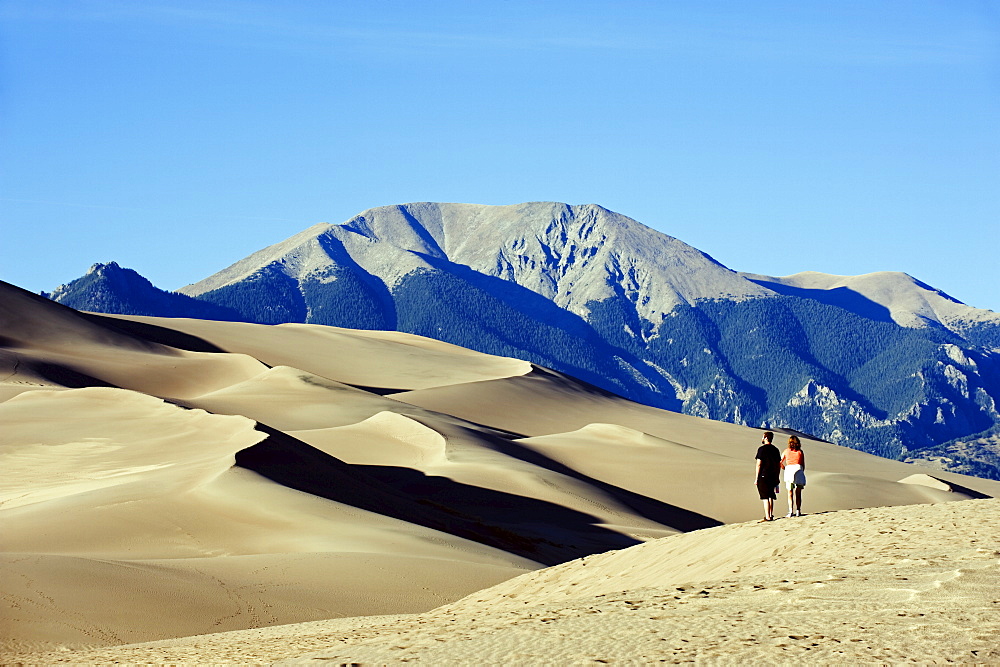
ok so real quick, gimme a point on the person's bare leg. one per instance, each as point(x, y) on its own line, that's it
point(768, 508)
point(791, 502)
point(798, 501)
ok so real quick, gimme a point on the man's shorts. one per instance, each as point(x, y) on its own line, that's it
point(765, 488)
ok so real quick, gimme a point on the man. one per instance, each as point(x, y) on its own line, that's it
point(768, 473)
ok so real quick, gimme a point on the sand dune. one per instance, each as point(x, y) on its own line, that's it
point(703, 479)
point(878, 585)
point(377, 359)
point(881, 585)
point(125, 519)
point(169, 478)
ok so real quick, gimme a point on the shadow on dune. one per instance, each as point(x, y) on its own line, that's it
point(63, 375)
point(650, 508)
point(538, 530)
point(581, 386)
point(958, 488)
point(380, 391)
point(154, 333)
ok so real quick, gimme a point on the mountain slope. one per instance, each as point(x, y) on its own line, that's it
point(571, 255)
point(109, 288)
point(881, 362)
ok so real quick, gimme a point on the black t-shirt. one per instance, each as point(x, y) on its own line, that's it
point(770, 463)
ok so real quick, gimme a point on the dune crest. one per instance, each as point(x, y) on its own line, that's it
point(927, 480)
point(105, 437)
point(385, 438)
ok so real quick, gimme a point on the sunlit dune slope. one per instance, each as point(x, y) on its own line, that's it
point(871, 586)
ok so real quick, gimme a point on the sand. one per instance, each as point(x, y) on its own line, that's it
point(883, 585)
point(250, 493)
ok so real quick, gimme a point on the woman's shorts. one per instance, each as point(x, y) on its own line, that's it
point(795, 476)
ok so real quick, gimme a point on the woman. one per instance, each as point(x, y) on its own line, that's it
point(793, 462)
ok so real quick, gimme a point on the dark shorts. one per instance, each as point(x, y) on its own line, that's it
point(765, 488)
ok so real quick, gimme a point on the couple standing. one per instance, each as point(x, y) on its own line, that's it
point(770, 463)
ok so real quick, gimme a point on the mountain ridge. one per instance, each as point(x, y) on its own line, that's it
point(427, 229)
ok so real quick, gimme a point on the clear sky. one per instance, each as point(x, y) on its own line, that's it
point(178, 137)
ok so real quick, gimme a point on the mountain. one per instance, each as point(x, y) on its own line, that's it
point(881, 362)
point(109, 288)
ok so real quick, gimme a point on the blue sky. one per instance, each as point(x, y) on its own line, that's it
point(177, 137)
